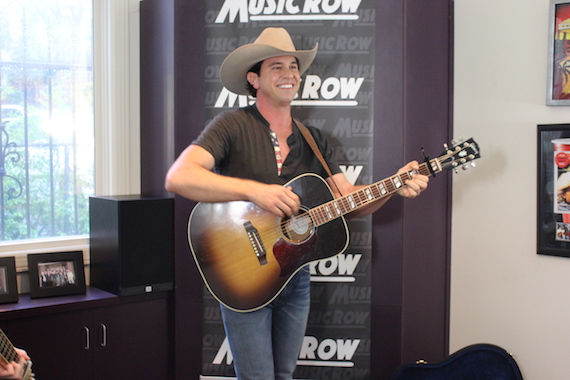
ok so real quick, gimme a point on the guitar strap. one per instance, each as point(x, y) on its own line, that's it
point(311, 141)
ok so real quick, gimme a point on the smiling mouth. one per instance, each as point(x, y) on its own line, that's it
point(285, 86)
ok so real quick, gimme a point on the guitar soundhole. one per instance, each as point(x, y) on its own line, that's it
point(298, 228)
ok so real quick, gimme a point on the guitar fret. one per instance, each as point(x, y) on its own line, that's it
point(351, 202)
point(328, 212)
point(316, 215)
point(337, 208)
point(369, 194)
point(382, 188)
point(7, 349)
point(397, 183)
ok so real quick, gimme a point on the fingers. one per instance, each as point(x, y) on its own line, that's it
point(279, 200)
point(414, 188)
point(292, 202)
point(287, 205)
point(22, 354)
point(417, 184)
point(10, 371)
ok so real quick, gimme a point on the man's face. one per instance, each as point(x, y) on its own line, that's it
point(566, 194)
point(278, 80)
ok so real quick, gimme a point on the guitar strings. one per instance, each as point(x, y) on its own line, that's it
point(335, 208)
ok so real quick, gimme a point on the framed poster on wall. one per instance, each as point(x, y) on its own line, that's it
point(558, 89)
point(553, 178)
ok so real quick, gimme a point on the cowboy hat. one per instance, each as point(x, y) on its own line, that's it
point(563, 181)
point(272, 42)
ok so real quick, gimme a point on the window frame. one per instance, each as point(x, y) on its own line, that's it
point(116, 105)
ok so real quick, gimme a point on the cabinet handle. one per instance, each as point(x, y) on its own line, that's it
point(103, 335)
point(87, 338)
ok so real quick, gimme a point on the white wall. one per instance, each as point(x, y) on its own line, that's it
point(502, 292)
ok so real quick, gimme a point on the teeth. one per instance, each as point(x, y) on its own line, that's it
point(286, 86)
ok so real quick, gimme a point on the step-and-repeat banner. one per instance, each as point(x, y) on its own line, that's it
point(336, 96)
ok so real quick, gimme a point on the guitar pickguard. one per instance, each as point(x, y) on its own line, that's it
point(289, 255)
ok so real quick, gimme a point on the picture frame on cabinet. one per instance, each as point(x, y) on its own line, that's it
point(553, 192)
point(56, 274)
point(8, 281)
point(558, 88)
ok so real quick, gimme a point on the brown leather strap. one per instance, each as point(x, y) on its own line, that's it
point(311, 141)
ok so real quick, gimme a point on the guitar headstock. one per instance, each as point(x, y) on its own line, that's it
point(459, 154)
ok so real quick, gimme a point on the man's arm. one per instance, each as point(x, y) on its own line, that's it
point(191, 176)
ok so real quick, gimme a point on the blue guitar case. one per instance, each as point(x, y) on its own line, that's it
point(480, 361)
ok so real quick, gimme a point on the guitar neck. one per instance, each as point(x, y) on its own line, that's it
point(7, 352)
point(368, 194)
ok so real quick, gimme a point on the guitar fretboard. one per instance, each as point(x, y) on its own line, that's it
point(371, 193)
point(7, 349)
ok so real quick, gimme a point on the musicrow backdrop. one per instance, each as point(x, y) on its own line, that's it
point(336, 96)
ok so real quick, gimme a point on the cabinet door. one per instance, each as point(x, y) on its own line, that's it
point(132, 341)
point(58, 344)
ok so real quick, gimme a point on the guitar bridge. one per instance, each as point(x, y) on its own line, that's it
point(256, 242)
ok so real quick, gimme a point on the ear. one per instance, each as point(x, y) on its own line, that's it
point(252, 78)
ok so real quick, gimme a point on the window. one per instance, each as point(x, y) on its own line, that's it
point(46, 93)
point(104, 108)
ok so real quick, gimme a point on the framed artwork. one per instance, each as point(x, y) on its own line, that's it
point(553, 178)
point(56, 274)
point(8, 282)
point(558, 89)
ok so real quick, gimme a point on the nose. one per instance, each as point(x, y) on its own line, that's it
point(288, 72)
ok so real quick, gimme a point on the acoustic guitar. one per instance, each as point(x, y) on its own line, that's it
point(8, 354)
point(247, 255)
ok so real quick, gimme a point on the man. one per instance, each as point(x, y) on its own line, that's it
point(249, 154)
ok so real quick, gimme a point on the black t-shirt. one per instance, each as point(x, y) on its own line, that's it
point(241, 145)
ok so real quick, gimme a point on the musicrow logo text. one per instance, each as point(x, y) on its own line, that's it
point(328, 352)
point(314, 91)
point(287, 10)
point(336, 43)
point(339, 268)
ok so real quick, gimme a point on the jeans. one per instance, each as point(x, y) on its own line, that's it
point(265, 343)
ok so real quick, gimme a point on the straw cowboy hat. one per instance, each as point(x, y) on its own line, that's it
point(272, 42)
point(563, 181)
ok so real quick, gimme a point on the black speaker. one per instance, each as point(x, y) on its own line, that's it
point(132, 244)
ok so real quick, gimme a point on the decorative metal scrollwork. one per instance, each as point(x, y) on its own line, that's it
point(9, 153)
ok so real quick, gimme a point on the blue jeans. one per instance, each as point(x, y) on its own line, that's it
point(265, 343)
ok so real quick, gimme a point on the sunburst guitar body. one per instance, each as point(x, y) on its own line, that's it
point(246, 255)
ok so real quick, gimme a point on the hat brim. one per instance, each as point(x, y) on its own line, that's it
point(234, 69)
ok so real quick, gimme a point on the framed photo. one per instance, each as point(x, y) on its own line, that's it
point(553, 222)
point(558, 89)
point(56, 274)
point(8, 282)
